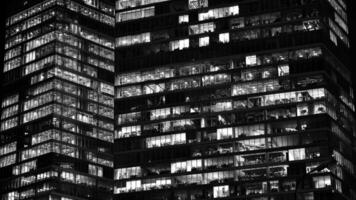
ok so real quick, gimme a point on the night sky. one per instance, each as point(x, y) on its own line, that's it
point(6, 6)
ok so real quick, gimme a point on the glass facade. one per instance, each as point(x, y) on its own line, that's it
point(177, 100)
point(233, 100)
point(57, 132)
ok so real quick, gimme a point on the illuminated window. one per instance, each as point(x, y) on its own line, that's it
point(8, 148)
point(128, 131)
point(94, 3)
point(283, 70)
point(341, 23)
point(7, 160)
point(204, 41)
point(11, 196)
point(186, 166)
point(224, 133)
point(322, 181)
point(251, 60)
point(133, 39)
point(183, 19)
point(38, 113)
point(9, 123)
point(9, 112)
point(224, 37)
point(179, 44)
point(296, 154)
point(95, 170)
point(339, 33)
point(153, 88)
point(195, 4)
point(221, 191)
point(123, 4)
point(166, 140)
point(333, 38)
point(135, 14)
point(12, 64)
point(68, 176)
point(219, 13)
point(106, 88)
point(24, 167)
point(125, 173)
point(9, 100)
point(202, 28)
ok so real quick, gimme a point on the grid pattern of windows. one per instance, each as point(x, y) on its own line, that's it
point(60, 127)
point(231, 100)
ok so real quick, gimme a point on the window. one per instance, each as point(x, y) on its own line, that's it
point(219, 13)
point(166, 140)
point(322, 181)
point(7, 160)
point(45, 136)
point(283, 70)
point(202, 28)
point(73, 77)
point(128, 131)
point(38, 113)
point(96, 38)
point(94, 3)
point(105, 88)
point(12, 53)
point(224, 133)
point(24, 167)
point(8, 148)
point(185, 83)
point(221, 191)
point(10, 100)
point(128, 118)
point(160, 113)
point(123, 4)
point(339, 33)
point(296, 154)
point(12, 64)
point(9, 123)
point(258, 87)
point(186, 166)
point(9, 112)
point(195, 4)
point(216, 79)
point(135, 14)
point(68, 176)
point(40, 41)
point(133, 39)
point(95, 170)
point(339, 9)
point(333, 37)
point(183, 19)
point(251, 60)
point(341, 23)
point(203, 41)
point(179, 44)
point(11, 196)
point(38, 65)
point(153, 88)
point(125, 173)
point(224, 37)
point(38, 101)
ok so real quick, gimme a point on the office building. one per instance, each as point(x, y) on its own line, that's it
point(57, 108)
point(233, 99)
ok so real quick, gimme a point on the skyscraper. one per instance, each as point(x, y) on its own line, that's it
point(177, 100)
point(233, 99)
point(57, 109)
